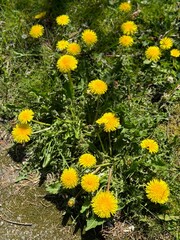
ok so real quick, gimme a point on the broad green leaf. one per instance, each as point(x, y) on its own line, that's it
point(85, 206)
point(53, 188)
point(93, 222)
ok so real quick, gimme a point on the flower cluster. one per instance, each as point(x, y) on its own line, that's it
point(110, 122)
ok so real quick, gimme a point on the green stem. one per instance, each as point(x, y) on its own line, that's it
point(71, 88)
point(102, 146)
point(110, 146)
point(109, 178)
point(96, 109)
point(42, 123)
point(42, 130)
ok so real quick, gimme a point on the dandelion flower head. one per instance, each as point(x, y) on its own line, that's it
point(129, 28)
point(21, 133)
point(126, 41)
point(40, 15)
point(36, 31)
point(69, 178)
point(157, 191)
point(110, 122)
point(150, 144)
point(175, 53)
point(98, 87)
point(166, 43)
point(67, 63)
point(90, 182)
point(89, 37)
point(104, 204)
point(87, 160)
point(62, 45)
point(63, 20)
point(153, 53)
point(125, 7)
point(26, 116)
point(73, 49)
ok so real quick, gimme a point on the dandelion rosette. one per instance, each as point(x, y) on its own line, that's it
point(36, 31)
point(125, 7)
point(110, 122)
point(126, 41)
point(63, 20)
point(175, 53)
point(90, 182)
point(21, 133)
point(26, 116)
point(104, 204)
point(62, 45)
point(89, 37)
point(98, 87)
point(153, 53)
point(150, 144)
point(166, 43)
point(87, 160)
point(67, 63)
point(69, 178)
point(40, 15)
point(73, 49)
point(129, 28)
point(157, 191)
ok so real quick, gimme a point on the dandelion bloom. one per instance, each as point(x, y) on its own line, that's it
point(157, 191)
point(166, 43)
point(89, 37)
point(129, 28)
point(26, 116)
point(87, 160)
point(69, 178)
point(62, 20)
point(71, 202)
point(62, 45)
point(175, 53)
point(67, 63)
point(153, 53)
point(150, 144)
point(21, 133)
point(104, 204)
point(40, 15)
point(74, 48)
point(98, 87)
point(126, 41)
point(125, 7)
point(90, 182)
point(110, 121)
point(36, 31)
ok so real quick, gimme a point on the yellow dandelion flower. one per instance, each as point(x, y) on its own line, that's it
point(73, 49)
point(62, 45)
point(175, 53)
point(90, 182)
point(126, 41)
point(157, 191)
point(67, 63)
point(166, 43)
point(150, 144)
point(21, 133)
point(71, 202)
point(40, 15)
point(153, 53)
point(26, 116)
point(104, 204)
point(129, 28)
point(36, 31)
point(62, 20)
point(110, 122)
point(69, 178)
point(87, 160)
point(89, 37)
point(98, 87)
point(125, 7)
